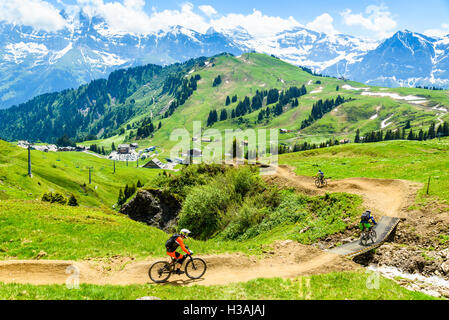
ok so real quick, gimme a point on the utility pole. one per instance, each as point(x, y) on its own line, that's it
point(29, 161)
point(90, 175)
point(114, 165)
point(137, 162)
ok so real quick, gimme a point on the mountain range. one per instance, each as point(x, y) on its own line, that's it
point(35, 62)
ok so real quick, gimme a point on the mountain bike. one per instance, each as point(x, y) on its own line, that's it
point(368, 235)
point(160, 271)
point(320, 183)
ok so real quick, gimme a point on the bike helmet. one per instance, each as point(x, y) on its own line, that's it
point(185, 233)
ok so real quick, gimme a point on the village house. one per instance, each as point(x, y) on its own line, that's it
point(124, 149)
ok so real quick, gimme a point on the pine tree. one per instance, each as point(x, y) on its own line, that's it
point(228, 101)
point(431, 132)
point(223, 115)
point(72, 201)
point(121, 197)
point(357, 136)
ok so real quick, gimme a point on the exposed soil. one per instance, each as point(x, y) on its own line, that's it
point(420, 243)
point(384, 197)
point(286, 259)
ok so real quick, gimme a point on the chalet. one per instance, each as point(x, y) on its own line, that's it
point(155, 164)
point(124, 149)
point(134, 145)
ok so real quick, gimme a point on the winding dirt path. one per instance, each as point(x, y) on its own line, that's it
point(286, 260)
point(384, 197)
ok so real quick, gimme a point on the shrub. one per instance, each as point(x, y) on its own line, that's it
point(73, 202)
point(58, 198)
point(54, 198)
point(204, 208)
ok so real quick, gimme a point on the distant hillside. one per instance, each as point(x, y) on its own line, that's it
point(249, 91)
point(93, 110)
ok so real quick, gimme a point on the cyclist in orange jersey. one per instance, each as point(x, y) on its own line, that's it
point(172, 244)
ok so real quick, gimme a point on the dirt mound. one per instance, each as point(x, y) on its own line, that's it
point(383, 197)
point(286, 259)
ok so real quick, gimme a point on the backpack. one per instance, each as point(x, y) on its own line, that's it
point(365, 217)
point(171, 244)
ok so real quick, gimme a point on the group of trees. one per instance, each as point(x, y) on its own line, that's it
point(59, 198)
point(80, 112)
point(320, 108)
point(95, 148)
point(229, 100)
point(248, 105)
point(146, 128)
point(401, 134)
point(429, 88)
point(101, 106)
point(182, 92)
point(306, 146)
point(128, 192)
point(213, 117)
point(64, 141)
point(217, 81)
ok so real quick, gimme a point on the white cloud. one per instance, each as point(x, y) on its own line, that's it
point(208, 10)
point(323, 23)
point(378, 19)
point(35, 13)
point(257, 24)
point(441, 32)
point(130, 16)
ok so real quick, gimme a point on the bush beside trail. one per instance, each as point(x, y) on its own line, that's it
point(237, 204)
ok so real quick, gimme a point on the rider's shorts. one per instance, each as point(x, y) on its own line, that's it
point(175, 255)
point(364, 225)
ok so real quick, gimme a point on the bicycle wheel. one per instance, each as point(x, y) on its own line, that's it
point(363, 239)
point(324, 183)
point(160, 272)
point(317, 183)
point(196, 268)
point(373, 236)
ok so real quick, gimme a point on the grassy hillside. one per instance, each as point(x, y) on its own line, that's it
point(246, 74)
point(334, 286)
point(408, 160)
point(67, 173)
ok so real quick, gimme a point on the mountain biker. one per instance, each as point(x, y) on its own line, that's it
point(365, 221)
point(320, 175)
point(175, 241)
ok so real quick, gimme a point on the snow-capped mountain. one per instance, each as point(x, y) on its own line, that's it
point(407, 59)
point(35, 62)
point(305, 47)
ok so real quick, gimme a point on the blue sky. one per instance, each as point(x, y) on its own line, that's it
point(375, 19)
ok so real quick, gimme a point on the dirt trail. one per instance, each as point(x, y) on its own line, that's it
point(287, 260)
point(383, 197)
